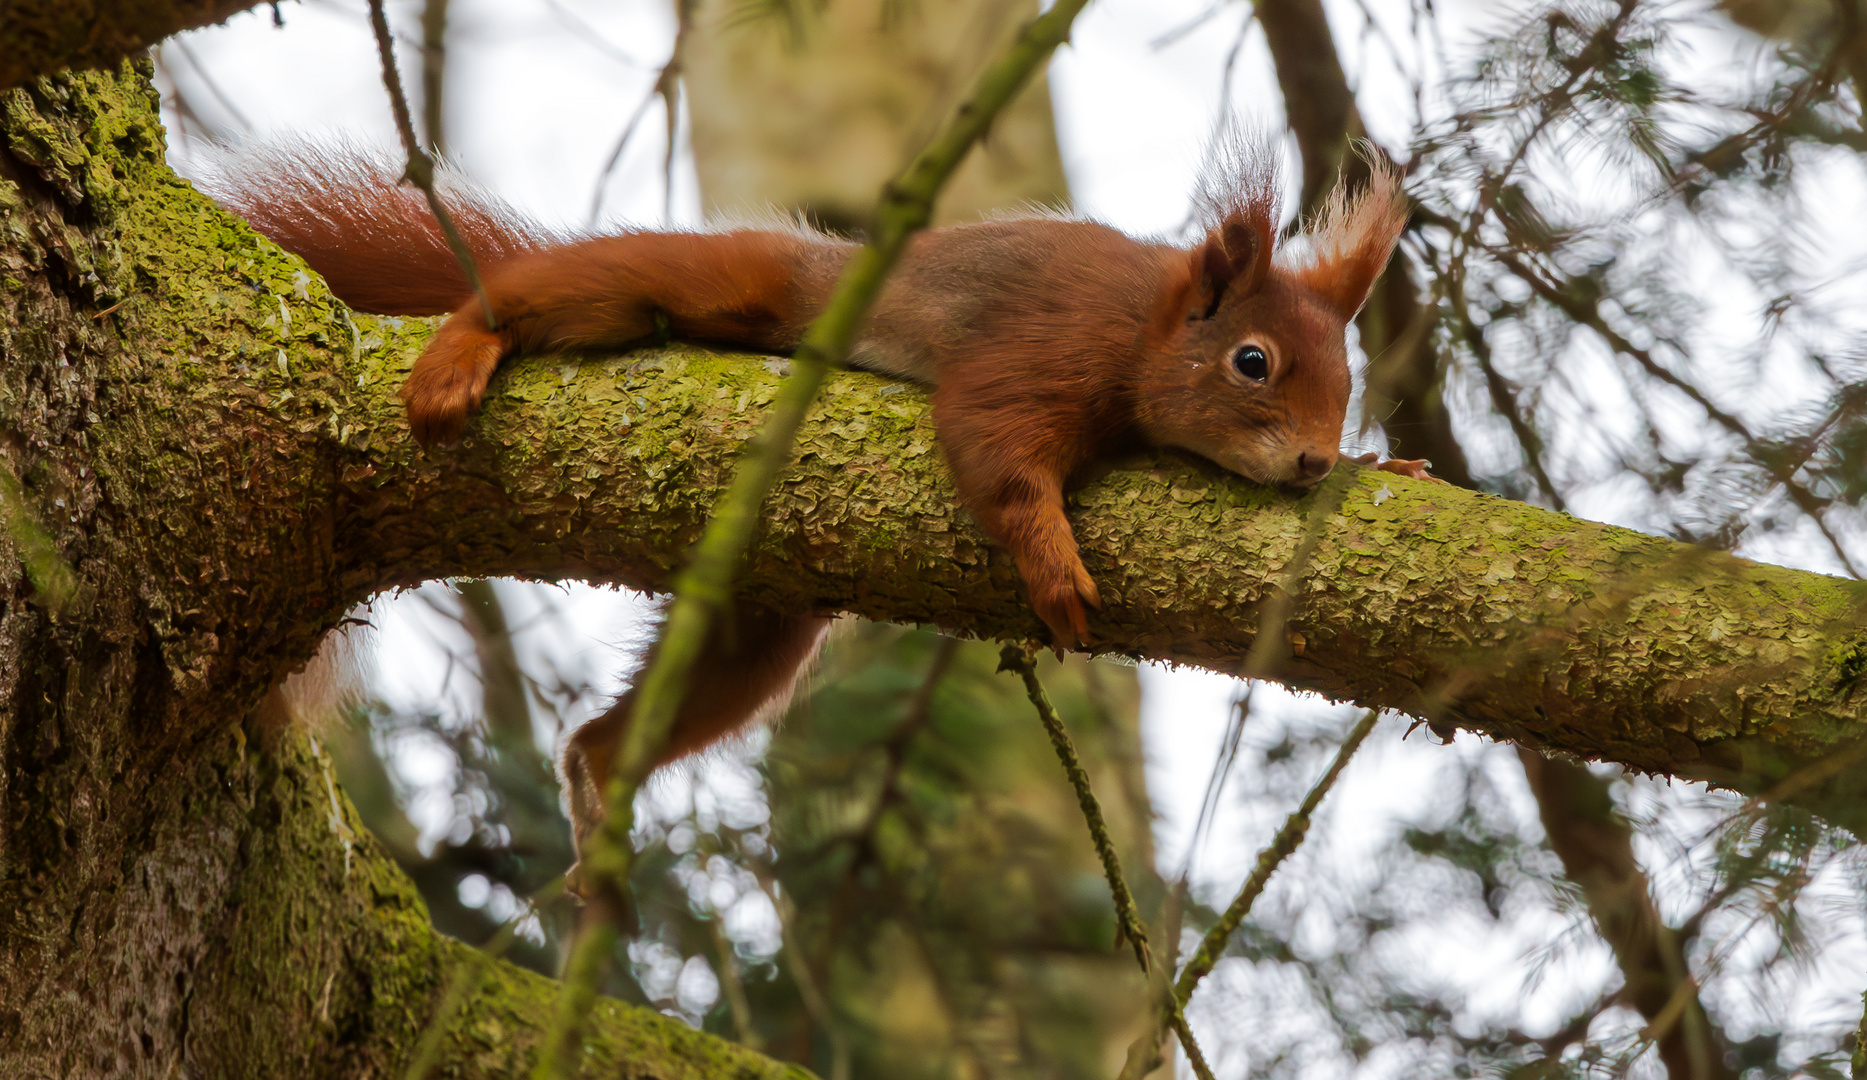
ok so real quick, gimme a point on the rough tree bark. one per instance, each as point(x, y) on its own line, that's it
point(209, 452)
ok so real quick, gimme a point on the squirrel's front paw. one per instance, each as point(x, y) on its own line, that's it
point(1414, 469)
point(449, 380)
point(1060, 603)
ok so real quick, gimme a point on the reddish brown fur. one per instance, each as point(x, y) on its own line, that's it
point(750, 288)
point(1048, 342)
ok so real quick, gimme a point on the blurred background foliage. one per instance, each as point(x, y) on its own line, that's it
point(937, 907)
point(1630, 290)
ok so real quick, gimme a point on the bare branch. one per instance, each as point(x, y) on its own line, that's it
point(1017, 658)
point(420, 170)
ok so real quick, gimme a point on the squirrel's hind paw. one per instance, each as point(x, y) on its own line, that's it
point(449, 380)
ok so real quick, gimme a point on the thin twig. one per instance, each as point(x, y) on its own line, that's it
point(1173, 36)
point(1296, 826)
point(213, 87)
point(1215, 781)
point(919, 711)
point(1018, 658)
point(590, 35)
point(667, 87)
point(808, 991)
point(1271, 647)
point(615, 154)
point(705, 586)
point(420, 171)
point(434, 72)
point(734, 986)
point(670, 86)
point(889, 794)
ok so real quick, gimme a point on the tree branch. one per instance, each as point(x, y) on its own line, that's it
point(1596, 848)
point(1515, 621)
point(42, 36)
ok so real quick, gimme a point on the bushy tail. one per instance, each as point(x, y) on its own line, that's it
point(373, 239)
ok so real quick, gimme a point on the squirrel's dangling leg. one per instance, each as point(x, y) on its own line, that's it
point(752, 658)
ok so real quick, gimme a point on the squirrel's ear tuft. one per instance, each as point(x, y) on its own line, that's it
point(1238, 203)
point(1234, 260)
point(1351, 239)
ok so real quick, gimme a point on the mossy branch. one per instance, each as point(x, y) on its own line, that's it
point(705, 586)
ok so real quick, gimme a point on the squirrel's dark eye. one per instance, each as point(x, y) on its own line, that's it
point(1251, 362)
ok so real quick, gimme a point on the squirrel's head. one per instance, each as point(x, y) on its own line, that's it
point(1250, 362)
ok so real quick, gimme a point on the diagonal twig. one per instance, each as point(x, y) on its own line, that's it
point(1296, 826)
point(705, 586)
point(1271, 647)
point(1018, 658)
point(667, 87)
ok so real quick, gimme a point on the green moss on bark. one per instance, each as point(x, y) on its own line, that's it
point(1526, 624)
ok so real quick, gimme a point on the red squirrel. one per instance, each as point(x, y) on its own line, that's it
point(1046, 341)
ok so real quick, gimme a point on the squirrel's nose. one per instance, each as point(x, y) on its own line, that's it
point(1313, 465)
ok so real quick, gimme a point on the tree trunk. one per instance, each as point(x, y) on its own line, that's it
point(185, 892)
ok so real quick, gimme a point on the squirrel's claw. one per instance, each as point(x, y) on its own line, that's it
point(1062, 606)
point(1414, 469)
